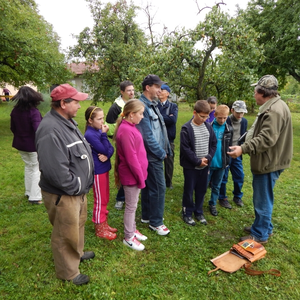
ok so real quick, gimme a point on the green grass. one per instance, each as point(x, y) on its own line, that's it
point(172, 267)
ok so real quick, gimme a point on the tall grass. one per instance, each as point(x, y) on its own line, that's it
point(172, 267)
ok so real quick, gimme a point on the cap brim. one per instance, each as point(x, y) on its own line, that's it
point(254, 84)
point(80, 96)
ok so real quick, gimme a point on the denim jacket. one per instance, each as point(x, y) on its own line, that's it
point(153, 130)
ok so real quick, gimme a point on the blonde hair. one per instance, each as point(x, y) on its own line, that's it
point(222, 109)
point(91, 113)
point(131, 106)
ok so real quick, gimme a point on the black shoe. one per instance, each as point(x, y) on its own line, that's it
point(213, 210)
point(87, 255)
point(201, 219)
point(225, 203)
point(81, 279)
point(189, 220)
point(238, 201)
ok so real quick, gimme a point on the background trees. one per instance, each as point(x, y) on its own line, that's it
point(278, 23)
point(111, 49)
point(29, 51)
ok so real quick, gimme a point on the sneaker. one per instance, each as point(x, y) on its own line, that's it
point(248, 230)
point(225, 203)
point(213, 210)
point(140, 236)
point(238, 201)
point(251, 237)
point(119, 205)
point(87, 255)
point(189, 220)
point(201, 219)
point(134, 244)
point(161, 230)
point(81, 279)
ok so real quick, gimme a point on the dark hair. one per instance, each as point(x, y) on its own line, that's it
point(27, 98)
point(212, 100)
point(266, 92)
point(202, 106)
point(125, 84)
point(90, 113)
point(56, 104)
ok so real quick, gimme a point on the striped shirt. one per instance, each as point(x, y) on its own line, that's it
point(201, 134)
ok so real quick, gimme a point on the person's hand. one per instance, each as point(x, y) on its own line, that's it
point(102, 157)
point(105, 128)
point(204, 162)
point(235, 151)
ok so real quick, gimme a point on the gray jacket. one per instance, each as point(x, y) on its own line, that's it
point(65, 157)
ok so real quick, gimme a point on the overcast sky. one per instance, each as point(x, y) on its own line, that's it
point(72, 16)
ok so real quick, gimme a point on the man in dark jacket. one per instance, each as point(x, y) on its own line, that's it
point(169, 112)
point(67, 173)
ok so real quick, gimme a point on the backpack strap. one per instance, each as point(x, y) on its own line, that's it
point(252, 272)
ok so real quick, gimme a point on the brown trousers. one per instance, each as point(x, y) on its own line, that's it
point(68, 215)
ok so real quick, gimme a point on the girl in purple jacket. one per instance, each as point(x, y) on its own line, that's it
point(131, 167)
point(24, 121)
point(102, 150)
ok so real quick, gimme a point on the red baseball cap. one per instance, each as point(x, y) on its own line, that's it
point(66, 91)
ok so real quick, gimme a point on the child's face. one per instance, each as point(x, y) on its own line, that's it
point(221, 117)
point(136, 118)
point(212, 106)
point(98, 120)
point(200, 118)
point(237, 115)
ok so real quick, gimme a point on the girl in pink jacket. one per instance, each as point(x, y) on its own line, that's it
point(131, 167)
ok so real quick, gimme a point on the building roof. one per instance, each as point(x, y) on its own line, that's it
point(78, 69)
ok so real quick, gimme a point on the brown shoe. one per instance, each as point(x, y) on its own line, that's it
point(248, 230)
point(251, 237)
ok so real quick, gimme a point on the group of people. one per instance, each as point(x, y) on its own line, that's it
point(143, 132)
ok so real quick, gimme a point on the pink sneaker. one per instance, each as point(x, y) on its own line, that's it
point(140, 236)
point(133, 243)
point(161, 230)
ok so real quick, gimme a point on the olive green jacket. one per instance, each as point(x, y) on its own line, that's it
point(271, 147)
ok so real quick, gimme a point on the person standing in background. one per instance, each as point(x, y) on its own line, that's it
point(169, 112)
point(25, 119)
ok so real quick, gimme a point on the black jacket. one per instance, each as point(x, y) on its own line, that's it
point(188, 158)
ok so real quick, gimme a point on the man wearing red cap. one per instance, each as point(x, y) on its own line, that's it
point(66, 166)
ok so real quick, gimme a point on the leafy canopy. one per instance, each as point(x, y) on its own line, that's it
point(29, 50)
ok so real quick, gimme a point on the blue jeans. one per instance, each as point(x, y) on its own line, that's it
point(237, 172)
point(153, 195)
point(120, 195)
point(263, 201)
point(215, 178)
point(194, 180)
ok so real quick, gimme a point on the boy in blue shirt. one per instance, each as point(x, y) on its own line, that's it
point(221, 159)
point(239, 125)
point(197, 148)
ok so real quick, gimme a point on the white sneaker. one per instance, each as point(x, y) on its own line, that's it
point(140, 236)
point(133, 243)
point(161, 230)
point(145, 221)
point(119, 205)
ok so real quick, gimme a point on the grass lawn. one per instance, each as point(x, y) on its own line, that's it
point(171, 267)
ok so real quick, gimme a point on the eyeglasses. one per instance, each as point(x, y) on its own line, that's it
point(203, 117)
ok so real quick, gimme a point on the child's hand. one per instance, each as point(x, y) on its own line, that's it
point(102, 157)
point(105, 128)
point(204, 162)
